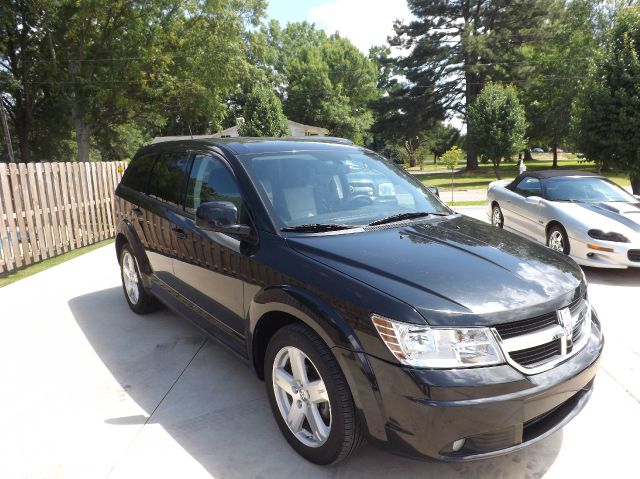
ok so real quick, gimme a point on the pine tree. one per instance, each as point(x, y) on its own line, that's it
point(456, 46)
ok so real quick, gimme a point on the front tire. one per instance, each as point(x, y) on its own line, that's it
point(558, 240)
point(309, 396)
point(137, 297)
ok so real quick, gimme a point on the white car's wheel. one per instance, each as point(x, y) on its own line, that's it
point(558, 240)
point(497, 219)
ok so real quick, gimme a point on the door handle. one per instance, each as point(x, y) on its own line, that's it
point(180, 233)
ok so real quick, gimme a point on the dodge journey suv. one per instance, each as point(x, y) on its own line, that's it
point(368, 307)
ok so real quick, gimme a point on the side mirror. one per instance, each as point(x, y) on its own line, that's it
point(221, 217)
point(532, 200)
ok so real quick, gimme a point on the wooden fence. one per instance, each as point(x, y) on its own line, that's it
point(47, 209)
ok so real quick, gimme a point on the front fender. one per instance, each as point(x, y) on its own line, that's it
point(336, 333)
point(306, 307)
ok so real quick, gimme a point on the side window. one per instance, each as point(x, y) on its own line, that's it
point(210, 180)
point(529, 187)
point(136, 175)
point(168, 177)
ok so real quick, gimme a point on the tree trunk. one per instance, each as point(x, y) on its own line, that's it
point(527, 155)
point(77, 114)
point(496, 168)
point(82, 129)
point(555, 153)
point(635, 184)
point(472, 152)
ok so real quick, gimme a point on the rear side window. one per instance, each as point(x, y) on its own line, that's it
point(211, 181)
point(168, 176)
point(137, 174)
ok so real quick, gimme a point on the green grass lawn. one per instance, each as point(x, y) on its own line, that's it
point(48, 263)
point(435, 175)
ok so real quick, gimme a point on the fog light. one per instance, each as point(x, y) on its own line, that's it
point(457, 445)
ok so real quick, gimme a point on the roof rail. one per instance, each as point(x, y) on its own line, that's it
point(322, 139)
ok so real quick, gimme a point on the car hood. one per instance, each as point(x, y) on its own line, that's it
point(454, 270)
point(616, 216)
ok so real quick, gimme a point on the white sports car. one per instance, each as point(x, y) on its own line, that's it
point(581, 214)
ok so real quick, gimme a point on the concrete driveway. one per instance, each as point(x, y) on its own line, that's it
point(90, 390)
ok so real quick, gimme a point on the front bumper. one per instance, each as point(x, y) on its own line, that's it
point(495, 410)
point(599, 258)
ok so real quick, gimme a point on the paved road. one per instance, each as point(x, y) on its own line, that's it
point(90, 390)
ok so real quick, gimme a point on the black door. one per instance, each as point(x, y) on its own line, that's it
point(163, 231)
point(209, 264)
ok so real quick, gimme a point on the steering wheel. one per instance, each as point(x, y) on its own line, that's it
point(359, 201)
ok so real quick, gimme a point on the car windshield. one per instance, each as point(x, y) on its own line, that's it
point(342, 187)
point(586, 189)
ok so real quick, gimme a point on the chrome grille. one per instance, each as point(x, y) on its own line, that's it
point(536, 344)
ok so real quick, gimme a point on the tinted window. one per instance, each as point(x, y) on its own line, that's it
point(339, 185)
point(529, 187)
point(137, 173)
point(210, 180)
point(168, 176)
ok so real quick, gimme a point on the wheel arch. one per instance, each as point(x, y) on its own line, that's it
point(126, 234)
point(278, 306)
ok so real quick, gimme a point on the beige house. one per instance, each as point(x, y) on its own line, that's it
point(295, 129)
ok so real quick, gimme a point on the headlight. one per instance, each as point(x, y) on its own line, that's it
point(609, 236)
point(426, 347)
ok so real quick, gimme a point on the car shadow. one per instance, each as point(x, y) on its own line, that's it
point(216, 409)
point(613, 277)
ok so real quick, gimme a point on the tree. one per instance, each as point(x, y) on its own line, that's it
point(263, 115)
point(456, 46)
point(440, 139)
point(498, 119)
point(450, 159)
point(557, 70)
point(325, 80)
point(607, 114)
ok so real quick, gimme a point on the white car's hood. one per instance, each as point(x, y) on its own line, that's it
point(619, 217)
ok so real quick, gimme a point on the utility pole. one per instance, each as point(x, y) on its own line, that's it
point(5, 127)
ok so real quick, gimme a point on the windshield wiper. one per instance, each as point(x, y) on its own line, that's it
point(318, 227)
point(406, 216)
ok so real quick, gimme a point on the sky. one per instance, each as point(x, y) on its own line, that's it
point(365, 22)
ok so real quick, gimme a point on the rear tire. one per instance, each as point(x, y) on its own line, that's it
point(310, 398)
point(558, 240)
point(138, 299)
point(497, 219)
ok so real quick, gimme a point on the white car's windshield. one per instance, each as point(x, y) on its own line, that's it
point(585, 189)
point(342, 187)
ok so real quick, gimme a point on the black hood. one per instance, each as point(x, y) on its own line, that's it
point(452, 270)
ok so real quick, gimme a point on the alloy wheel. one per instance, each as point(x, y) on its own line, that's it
point(556, 241)
point(496, 217)
point(130, 277)
point(301, 395)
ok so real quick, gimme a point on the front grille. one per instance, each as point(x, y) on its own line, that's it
point(523, 347)
point(634, 255)
point(530, 325)
point(538, 354)
point(525, 326)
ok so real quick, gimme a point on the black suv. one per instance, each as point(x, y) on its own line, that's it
point(370, 309)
